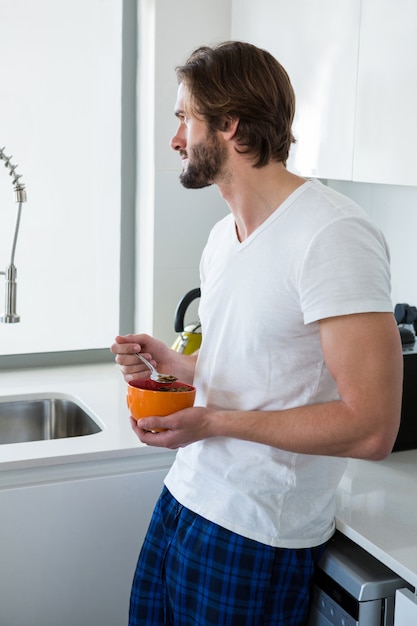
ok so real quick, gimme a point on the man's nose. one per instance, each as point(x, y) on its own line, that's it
point(178, 140)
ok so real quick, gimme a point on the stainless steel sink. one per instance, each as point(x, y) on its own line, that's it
point(43, 417)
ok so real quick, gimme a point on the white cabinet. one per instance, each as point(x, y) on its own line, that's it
point(405, 608)
point(68, 549)
point(386, 127)
point(353, 65)
point(317, 43)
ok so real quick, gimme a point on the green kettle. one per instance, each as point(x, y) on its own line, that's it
point(189, 339)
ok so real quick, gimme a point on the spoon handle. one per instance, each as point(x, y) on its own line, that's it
point(155, 375)
point(149, 365)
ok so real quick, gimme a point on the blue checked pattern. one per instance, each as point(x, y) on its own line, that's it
point(192, 572)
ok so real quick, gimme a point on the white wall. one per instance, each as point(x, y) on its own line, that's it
point(183, 218)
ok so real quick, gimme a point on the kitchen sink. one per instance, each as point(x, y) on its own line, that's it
point(43, 417)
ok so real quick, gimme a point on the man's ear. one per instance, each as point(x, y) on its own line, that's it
point(229, 126)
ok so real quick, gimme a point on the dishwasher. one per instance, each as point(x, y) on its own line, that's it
point(352, 588)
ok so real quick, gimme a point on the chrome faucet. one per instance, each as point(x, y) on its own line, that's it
point(10, 316)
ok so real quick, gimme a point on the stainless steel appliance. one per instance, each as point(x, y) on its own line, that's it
point(352, 588)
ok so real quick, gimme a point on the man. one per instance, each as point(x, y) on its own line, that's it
point(299, 367)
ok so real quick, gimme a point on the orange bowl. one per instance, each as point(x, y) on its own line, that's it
point(146, 397)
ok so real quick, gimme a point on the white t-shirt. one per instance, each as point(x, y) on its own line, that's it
point(318, 255)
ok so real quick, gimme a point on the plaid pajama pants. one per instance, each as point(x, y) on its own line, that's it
point(192, 572)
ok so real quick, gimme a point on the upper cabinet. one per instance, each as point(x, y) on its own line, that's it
point(386, 115)
point(317, 43)
point(353, 65)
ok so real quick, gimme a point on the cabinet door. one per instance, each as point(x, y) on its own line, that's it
point(317, 43)
point(386, 128)
point(405, 608)
point(68, 549)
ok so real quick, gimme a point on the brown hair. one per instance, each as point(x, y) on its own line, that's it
point(237, 79)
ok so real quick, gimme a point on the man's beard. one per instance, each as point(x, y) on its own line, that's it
point(205, 163)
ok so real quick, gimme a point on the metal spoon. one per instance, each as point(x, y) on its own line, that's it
point(156, 376)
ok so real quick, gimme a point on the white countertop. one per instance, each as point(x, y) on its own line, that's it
point(376, 503)
point(377, 509)
point(101, 389)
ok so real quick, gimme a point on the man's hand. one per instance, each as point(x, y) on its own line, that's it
point(180, 429)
